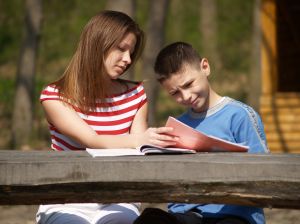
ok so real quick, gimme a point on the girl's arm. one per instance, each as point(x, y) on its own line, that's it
point(154, 136)
point(67, 121)
point(139, 123)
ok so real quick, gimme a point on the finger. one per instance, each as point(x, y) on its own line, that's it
point(163, 143)
point(162, 130)
point(165, 140)
point(168, 143)
point(164, 137)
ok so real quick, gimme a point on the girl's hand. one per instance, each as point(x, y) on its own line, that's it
point(157, 136)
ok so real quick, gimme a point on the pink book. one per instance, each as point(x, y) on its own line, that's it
point(200, 142)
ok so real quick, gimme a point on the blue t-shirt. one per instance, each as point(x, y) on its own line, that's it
point(236, 122)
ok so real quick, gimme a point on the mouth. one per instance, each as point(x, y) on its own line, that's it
point(194, 102)
point(121, 68)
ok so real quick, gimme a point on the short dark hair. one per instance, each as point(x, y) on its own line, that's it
point(171, 59)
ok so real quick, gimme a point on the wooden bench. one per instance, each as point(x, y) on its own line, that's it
point(45, 177)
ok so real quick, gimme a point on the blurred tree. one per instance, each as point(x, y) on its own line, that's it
point(155, 39)
point(234, 22)
point(11, 18)
point(63, 22)
point(23, 106)
point(183, 21)
point(176, 21)
point(209, 32)
point(254, 90)
point(128, 7)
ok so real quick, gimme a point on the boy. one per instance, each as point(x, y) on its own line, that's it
point(184, 75)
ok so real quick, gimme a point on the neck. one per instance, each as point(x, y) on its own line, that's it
point(116, 86)
point(214, 99)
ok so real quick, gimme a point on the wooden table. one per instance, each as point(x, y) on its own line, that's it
point(45, 177)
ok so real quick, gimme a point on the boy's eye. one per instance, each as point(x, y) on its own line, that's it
point(173, 93)
point(186, 85)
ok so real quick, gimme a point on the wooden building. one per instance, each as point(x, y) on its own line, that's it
point(280, 72)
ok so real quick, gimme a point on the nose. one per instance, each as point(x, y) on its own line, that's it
point(127, 57)
point(185, 96)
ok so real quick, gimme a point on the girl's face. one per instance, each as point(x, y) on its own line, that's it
point(190, 87)
point(119, 58)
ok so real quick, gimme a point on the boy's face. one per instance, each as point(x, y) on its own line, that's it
point(190, 86)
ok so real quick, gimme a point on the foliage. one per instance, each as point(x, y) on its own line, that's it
point(6, 108)
point(11, 17)
point(235, 29)
point(64, 20)
point(183, 23)
point(63, 23)
point(6, 94)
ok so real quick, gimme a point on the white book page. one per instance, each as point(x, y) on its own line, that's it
point(114, 152)
point(148, 149)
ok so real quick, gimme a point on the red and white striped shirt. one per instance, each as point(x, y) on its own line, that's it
point(115, 118)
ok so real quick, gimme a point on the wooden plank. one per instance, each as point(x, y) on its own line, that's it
point(284, 146)
point(280, 110)
point(288, 99)
point(269, 52)
point(45, 177)
point(285, 127)
point(282, 118)
point(280, 102)
point(292, 145)
point(283, 135)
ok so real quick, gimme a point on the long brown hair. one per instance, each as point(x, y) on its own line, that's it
point(85, 80)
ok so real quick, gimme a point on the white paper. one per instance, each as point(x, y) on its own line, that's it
point(114, 152)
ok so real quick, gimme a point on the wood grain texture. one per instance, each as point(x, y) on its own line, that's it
point(37, 177)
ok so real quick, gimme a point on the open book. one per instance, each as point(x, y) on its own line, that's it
point(200, 142)
point(143, 150)
point(191, 141)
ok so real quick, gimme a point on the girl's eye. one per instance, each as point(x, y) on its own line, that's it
point(122, 49)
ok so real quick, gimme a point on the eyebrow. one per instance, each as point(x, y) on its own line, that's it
point(126, 45)
point(172, 91)
point(186, 83)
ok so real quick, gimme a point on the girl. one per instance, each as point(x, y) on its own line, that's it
point(91, 107)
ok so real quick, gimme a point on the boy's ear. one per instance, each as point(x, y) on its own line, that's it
point(204, 65)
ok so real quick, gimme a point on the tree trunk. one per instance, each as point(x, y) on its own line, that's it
point(254, 91)
point(155, 40)
point(23, 107)
point(208, 29)
point(128, 7)
point(178, 23)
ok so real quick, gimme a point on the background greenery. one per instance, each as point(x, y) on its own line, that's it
point(63, 22)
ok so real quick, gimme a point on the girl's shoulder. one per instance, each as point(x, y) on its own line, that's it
point(125, 88)
point(50, 91)
point(129, 85)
